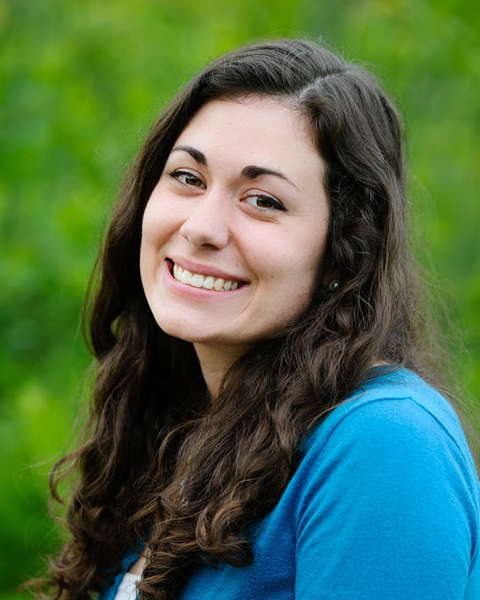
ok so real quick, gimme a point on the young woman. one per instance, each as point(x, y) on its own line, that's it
point(262, 424)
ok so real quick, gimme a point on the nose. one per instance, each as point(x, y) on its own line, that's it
point(207, 224)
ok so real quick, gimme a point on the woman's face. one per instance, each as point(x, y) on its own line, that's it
point(234, 232)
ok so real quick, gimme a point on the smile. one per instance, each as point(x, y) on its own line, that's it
point(203, 281)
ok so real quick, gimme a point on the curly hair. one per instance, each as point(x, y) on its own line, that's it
point(162, 465)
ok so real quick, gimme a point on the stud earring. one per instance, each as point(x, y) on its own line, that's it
point(333, 285)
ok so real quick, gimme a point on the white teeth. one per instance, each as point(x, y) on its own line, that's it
point(186, 277)
point(208, 282)
point(197, 281)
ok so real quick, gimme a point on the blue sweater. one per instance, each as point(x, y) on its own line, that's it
point(384, 505)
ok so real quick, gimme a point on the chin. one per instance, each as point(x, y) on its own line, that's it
point(190, 334)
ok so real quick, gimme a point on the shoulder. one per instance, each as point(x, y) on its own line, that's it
point(393, 407)
point(395, 438)
point(388, 481)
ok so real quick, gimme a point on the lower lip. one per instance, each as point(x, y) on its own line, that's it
point(189, 291)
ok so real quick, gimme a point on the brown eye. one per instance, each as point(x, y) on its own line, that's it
point(263, 202)
point(191, 180)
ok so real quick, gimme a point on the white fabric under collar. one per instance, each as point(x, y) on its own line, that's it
point(127, 589)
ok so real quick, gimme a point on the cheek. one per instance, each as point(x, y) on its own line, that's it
point(158, 225)
point(291, 265)
point(285, 285)
point(153, 222)
point(147, 240)
point(157, 228)
point(299, 275)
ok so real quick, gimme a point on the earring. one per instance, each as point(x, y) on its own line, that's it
point(333, 285)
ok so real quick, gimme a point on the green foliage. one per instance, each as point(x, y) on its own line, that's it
point(81, 82)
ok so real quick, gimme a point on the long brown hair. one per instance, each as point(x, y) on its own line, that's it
point(161, 463)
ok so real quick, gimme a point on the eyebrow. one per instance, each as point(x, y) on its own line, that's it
point(250, 171)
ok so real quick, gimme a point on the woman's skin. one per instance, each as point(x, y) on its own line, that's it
point(214, 211)
point(210, 218)
point(139, 566)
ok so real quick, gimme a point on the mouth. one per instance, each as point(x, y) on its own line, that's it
point(206, 282)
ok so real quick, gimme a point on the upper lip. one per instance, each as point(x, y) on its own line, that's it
point(204, 269)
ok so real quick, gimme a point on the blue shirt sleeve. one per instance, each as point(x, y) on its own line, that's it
point(389, 515)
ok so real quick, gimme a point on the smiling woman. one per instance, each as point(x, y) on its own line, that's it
point(265, 422)
point(259, 230)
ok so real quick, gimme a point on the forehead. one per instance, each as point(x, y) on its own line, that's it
point(261, 130)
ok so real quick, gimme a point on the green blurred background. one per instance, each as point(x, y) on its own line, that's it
point(80, 83)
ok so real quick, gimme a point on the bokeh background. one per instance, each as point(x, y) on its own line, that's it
point(81, 81)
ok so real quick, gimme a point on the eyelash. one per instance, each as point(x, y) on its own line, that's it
point(276, 204)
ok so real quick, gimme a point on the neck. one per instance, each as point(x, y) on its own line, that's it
point(215, 362)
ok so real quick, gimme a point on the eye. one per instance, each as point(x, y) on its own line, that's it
point(193, 180)
point(263, 202)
